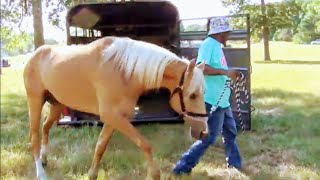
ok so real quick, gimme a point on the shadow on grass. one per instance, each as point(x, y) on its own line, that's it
point(288, 62)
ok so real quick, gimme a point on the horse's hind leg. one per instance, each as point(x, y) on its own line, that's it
point(35, 103)
point(54, 115)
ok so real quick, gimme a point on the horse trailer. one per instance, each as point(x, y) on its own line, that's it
point(156, 22)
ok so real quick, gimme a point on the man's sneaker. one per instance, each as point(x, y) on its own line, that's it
point(180, 169)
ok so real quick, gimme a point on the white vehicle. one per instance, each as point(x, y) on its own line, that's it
point(317, 41)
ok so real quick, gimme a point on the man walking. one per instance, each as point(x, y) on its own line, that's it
point(221, 120)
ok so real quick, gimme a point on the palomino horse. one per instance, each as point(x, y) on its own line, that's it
point(106, 78)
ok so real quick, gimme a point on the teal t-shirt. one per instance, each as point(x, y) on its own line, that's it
point(211, 52)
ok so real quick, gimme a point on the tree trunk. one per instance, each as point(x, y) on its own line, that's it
point(265, 32)
point(37, 23)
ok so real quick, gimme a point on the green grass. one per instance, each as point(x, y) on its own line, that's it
point(284, 142)
point(286, 51)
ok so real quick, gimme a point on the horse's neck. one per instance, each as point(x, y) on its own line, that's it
point(172, 75)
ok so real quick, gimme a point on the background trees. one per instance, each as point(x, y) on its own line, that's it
point(13, 39)
point(288, 20)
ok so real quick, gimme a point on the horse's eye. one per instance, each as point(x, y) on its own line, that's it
point(193, 96)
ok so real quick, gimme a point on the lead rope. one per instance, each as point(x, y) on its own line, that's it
point(226, 85)
point(237, 87)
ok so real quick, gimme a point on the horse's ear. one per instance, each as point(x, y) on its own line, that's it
point(190, 69)
point(202, 65)
point(191, 65)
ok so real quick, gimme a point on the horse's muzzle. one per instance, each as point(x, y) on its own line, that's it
point(198, 128)
point(198, 135)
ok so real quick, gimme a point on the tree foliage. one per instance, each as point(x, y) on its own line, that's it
point(13, 39)
point(309, 27)
point(298, 18)
point(279, 15)
point(196, 27)
point(14, 43)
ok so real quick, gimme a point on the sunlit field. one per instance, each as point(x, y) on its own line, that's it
point(283, 143)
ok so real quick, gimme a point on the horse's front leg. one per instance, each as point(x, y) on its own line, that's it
point(101, 146)
point(123, 124)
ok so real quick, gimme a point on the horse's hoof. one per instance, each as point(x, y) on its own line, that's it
point(154, 173)
point(92, 175)
point(44, 160)
point(156, 176)
point(42, 177)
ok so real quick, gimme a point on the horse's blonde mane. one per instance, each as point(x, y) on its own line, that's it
point(140, 60)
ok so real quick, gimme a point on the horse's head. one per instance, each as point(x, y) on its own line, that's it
point(187, 99)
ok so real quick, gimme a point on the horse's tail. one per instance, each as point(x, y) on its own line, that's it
point(34, 87)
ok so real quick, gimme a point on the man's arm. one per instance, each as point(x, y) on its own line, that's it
point(208, 70)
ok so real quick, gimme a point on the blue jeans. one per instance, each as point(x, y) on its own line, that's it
point(220, 121)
